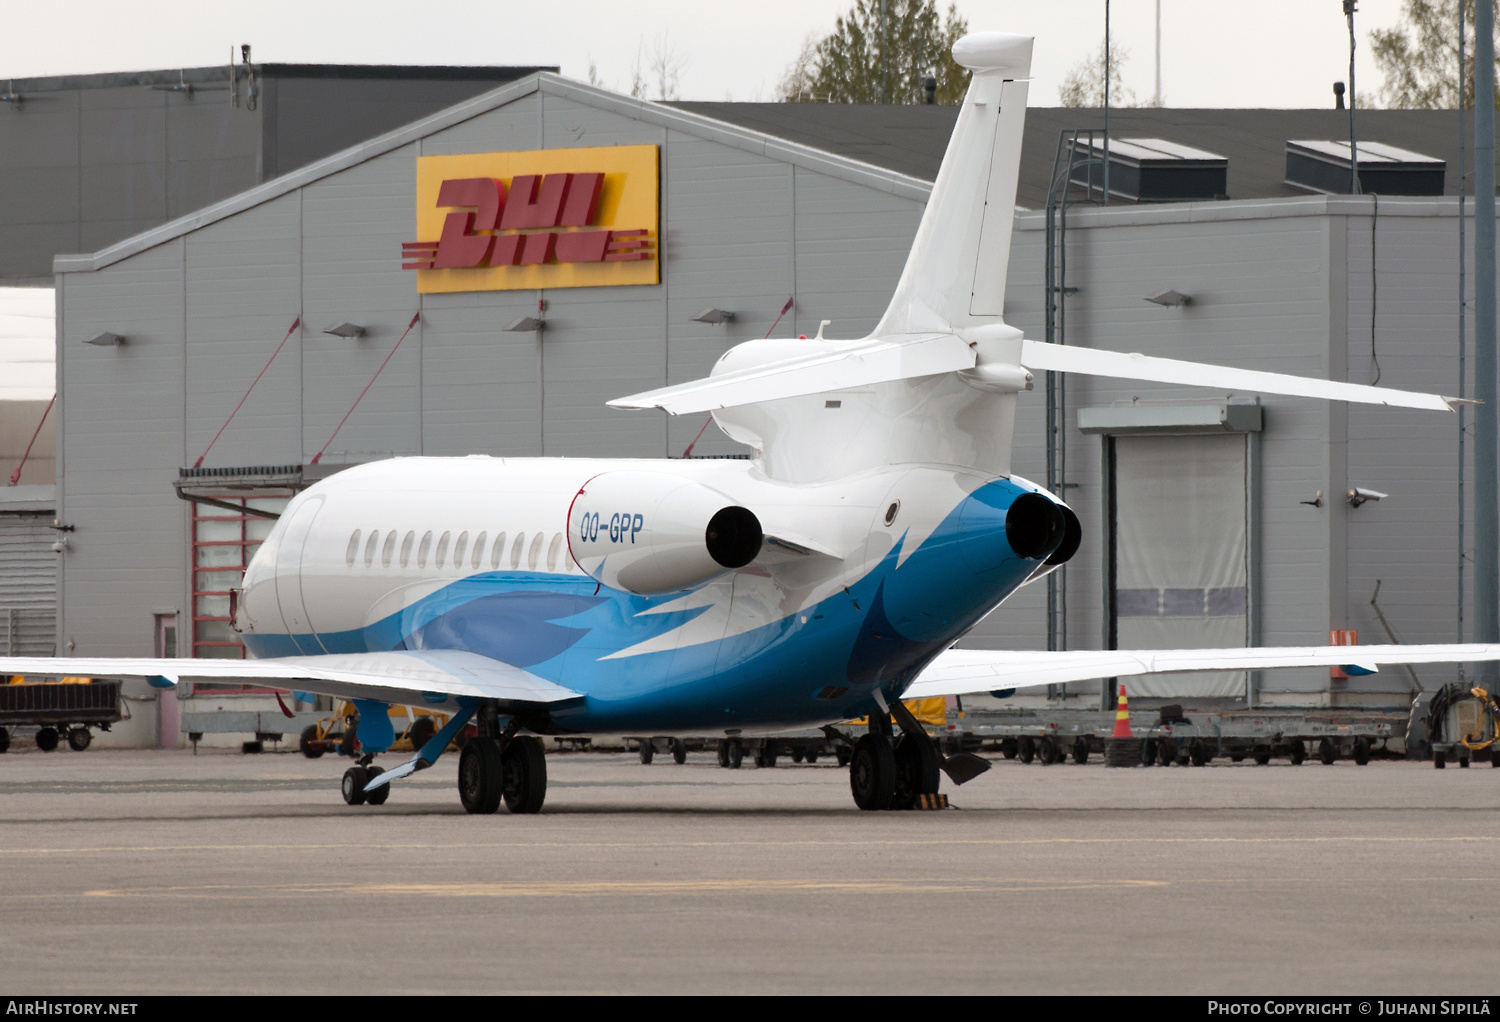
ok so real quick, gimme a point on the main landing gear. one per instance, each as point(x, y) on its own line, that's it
point(889, 771)
point(494, 765)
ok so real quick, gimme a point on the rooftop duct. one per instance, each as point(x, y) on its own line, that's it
point(1151, 170)
point(1323, 167)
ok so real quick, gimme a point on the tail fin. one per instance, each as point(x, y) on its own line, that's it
point(955, 275)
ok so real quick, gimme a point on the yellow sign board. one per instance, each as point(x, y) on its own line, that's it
point(541, 219)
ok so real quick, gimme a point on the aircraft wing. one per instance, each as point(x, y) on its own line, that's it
point(860, 364)
point(423, 677)
point(958, 672)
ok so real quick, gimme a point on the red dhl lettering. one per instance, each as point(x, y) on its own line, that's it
point(533, 204)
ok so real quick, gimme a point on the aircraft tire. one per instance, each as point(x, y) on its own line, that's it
point(480, 776)
point(679, 752)
point(525, 775)
point(872, 772)
point(353, 786)
point(380, 794)
point(917, 767)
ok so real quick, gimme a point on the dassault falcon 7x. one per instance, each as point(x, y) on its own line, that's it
point(822, 580)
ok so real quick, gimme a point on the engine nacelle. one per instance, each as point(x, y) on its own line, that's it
point(650, 532)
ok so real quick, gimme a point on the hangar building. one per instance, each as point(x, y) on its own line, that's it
point(1209, 518)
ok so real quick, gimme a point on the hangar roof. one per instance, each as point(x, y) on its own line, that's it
point(911, 139)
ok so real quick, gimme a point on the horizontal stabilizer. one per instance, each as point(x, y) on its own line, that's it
point(958, 672)
point(1121, 366)
point(859, 364)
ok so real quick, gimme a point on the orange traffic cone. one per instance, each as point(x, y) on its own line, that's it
point(1122, 717)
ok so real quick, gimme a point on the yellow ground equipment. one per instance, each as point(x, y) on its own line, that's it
point(413, 725)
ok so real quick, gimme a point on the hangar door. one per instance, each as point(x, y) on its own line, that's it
point(28, 585)
point(1179, 572)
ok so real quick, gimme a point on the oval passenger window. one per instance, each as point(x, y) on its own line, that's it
point(371, 546)
point(478, 550)
point(459, 546)
point(389, 550)
point(442, 550)
point(353, 550)
point(406, 545)
point(515, 551)
point(552, 552)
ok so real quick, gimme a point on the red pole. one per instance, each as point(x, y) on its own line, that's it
point(199, 462)
point(318, 457)
point(15, 477)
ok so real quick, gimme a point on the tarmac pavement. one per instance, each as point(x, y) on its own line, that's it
point(143, 872)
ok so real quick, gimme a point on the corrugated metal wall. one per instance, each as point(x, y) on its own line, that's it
point(28, 585)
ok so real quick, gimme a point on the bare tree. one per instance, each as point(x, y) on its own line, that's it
point(796, 85)
point(1083, 86)
point(1418, 59)
point(666, 67)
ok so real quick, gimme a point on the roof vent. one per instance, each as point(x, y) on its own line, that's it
point(1323, 167)
point(1152, 170)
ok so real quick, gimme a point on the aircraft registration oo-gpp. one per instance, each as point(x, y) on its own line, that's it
point(823, 580)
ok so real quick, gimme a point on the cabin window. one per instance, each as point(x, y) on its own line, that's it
point(442, 551)
point(406, 545)
point(459, 547)
point(370, 547)
point(499, 552)
point(478, 550)
point(389, 550)
point(515, 551)
point(353, 550)
point(536, 551)
point(424, 549)
point(552, 552)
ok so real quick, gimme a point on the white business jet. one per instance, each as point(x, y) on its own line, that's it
point(823, 580)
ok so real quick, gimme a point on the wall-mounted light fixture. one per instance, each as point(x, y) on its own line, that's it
point(346, 330)
point(1360, 495)
point(106, 339)
point(1170, 297)
point(526, 324)
point(715, 317)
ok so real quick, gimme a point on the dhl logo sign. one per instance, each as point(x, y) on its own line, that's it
point(542, 219)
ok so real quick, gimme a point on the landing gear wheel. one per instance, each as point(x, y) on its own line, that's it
point(736, 754)
point(916, 770)
point(648, 751)
point(679, 752)
point(1327, 752)
point(353, 786)
point(420, 733)
point(1296, 752)
point(79, 738)
point(1081, 751)
point(46, 739)
point(525, 775)
point(305, 742)
point(480, 775)
point(1362, 750)
point(380, 794)
point(1025, 748)
point(721, 749)
point(843, 754)
point(872, 772)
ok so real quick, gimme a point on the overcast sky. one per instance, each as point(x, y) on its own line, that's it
point(1214, 53)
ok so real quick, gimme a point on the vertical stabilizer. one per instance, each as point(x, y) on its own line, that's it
point(955, 275)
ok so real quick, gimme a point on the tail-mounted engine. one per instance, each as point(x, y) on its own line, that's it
point(650, 532)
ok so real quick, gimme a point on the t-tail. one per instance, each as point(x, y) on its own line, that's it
point(945, 318)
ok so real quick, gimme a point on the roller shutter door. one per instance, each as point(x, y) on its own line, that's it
point(28, 585)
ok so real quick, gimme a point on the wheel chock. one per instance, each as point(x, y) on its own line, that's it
point(937, 801)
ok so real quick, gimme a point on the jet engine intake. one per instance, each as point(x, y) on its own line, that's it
point(650, 532)
point(1035, 526)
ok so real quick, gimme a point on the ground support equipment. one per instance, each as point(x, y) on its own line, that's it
point(60, 711)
